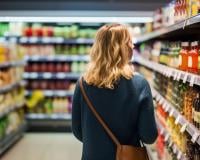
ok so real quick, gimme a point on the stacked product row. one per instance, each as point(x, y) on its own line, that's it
point(10, 123)
point(54, 67)
point(45, 30)
point(173, 12)
point(181, 139)
point(38, 103)
point(180, 55)
point(12, 91)
point(47, 49)
point(50, 85)
point(183, 97)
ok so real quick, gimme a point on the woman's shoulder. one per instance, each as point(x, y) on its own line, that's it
point(139, 81)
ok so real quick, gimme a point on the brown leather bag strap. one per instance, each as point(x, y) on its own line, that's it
point(112, 136)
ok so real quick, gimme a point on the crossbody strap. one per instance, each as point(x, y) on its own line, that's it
point(98, 117)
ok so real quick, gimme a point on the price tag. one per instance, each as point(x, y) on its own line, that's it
point(60, 75)
point(61, 93)
point(59, 40)
point(46, 40)
point(192, 80)
point(171, 112)
point(33, 39)
point(177, 119)
point(33, 75)
point(174, 149)
point(195, 137)
point(161, 101)
point(166, 137)
point(167, 108)
point(179, 155)
point(184, 127)
point(170, 143)
point(179, 76)
point(162, 131)
point(47, 75)
point(175, 75)
point(23, 40)
point(49, 93)
point(185, 78)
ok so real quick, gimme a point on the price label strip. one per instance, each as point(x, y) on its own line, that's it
point(185, 78)
point(171, 112)
point(192, 80)
point(178, 119)
point(184, 127)
point(195, 137)
point(179, 155)
point(179, 76)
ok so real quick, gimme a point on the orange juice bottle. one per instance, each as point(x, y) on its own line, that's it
point(193, 58)
point(183, 56)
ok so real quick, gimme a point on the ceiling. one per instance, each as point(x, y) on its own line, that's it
point(97, 5)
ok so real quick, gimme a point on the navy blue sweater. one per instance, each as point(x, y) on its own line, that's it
point(128, 111)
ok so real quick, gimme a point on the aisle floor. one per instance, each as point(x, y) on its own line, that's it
point(45, 147)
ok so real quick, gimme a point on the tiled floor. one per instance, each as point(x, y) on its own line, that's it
point(45, 147)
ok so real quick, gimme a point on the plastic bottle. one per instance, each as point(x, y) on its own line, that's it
point(183, 56)
point(193, 58)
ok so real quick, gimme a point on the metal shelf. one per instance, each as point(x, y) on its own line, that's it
point(57, 122)
point(175, 149)
point(54, 93)
point(10, 109)
point(48, 40)
point(49, 75)
point(12, 64)
point(55, 116)
point(180, 119)
point(57, 58)
point(11, 138)
point(167, 30)
point(169, 72)
point(11, 86)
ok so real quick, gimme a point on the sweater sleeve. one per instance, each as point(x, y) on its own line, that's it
point(76, 113)
point(147, 125)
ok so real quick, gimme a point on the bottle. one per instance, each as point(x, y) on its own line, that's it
point(193, 58)
point(183, 56)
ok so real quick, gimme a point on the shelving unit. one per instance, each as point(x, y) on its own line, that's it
point(13, 64)
point(49, 75)
point(57, 58)
point(54, 93)
point(173, 146)
point(168, 107)
point(169, 72)
point(180, 27)
point(11, 86)
point(10, 109)
point(47, 40)
point(10, 139)
point(49, 122)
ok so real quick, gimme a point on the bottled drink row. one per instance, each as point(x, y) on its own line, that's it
point(181, 140)
point(180, 55)
point(38, 103)
point(45, 50)
point(183, 97)
point(44, 30)
point(11, 122)
point(75, 67)
point(50, 84)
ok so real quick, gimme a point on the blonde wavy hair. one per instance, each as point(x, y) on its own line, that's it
point(110, 56)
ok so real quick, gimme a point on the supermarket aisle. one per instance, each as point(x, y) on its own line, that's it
point(45, 147)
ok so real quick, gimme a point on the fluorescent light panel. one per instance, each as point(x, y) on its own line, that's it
point(78, 19)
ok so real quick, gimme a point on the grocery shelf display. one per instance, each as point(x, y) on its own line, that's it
point(12, 94)
point(168, 56)
point(56, 54)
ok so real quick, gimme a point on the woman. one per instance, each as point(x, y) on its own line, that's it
point(122, 98)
